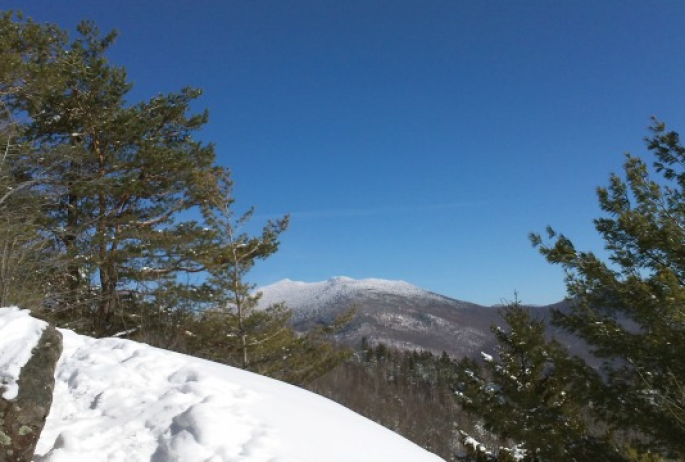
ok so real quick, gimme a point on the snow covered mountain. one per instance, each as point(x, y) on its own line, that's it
point(311, 298)
point(121, 401)
point(394, 312)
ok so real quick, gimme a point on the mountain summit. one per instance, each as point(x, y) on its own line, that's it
point(393, 312)
point(307, 298)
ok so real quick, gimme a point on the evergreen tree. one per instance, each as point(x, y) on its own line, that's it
point(235, 309)
point(92, 192)
point(26, 257)
point(24, 253)
point(118, 175)
point(234, 330)
point(630, 308)
point(262, 340)
point(533, 395)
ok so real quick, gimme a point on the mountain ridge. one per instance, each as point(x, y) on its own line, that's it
point(303, 296)
point(396, 313)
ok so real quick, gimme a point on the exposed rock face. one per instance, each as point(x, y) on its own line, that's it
point(22, 419)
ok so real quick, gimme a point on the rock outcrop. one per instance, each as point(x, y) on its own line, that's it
point(22, 418)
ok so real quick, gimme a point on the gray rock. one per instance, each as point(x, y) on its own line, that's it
point(22, 419)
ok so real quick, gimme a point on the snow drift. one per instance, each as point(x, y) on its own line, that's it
point(121, 401)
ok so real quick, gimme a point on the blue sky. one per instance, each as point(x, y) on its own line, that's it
point(413, 140)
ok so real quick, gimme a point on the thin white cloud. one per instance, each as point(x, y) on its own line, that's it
point(372, 211)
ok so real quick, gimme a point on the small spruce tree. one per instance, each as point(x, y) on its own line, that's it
point(235, 330)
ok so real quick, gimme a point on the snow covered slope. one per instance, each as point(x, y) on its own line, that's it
point(122, 401)
point(309, 297)
point(393, 312)
point(397, 314)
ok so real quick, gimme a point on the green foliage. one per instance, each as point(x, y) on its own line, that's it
point(533, 394)
point(234, 255)
point(263, 341)
point(232, 329)
point(635, 455)
point(95, 198)
point(110, 177)
point(27, 50)
point(630, 308)
point(25, 256)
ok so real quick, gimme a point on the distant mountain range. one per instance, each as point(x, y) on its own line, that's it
point(398, 314)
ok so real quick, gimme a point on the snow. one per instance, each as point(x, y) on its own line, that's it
point(310, 296)
point(120, 401)
point(19, 334)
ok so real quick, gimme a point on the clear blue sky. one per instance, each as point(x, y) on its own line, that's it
point(415, 140)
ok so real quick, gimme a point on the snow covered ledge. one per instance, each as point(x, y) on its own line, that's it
point(29, 350)
point(118, 400)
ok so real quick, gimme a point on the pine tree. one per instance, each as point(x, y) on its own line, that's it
point(533, 394)
point(235, 313)
point(26, 257)
point(234, 329)
point(118, 175)
point(24, 253)
point(630, 307)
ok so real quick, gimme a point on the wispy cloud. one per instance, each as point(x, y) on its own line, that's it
point(373, 211)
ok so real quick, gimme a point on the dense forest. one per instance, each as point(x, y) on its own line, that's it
point(116, 220)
